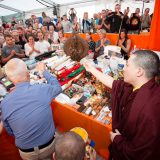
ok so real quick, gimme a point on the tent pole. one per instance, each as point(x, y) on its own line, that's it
point(10, 8)
point(23, 18)
point(141, 17)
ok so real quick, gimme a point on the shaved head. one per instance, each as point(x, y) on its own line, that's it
point(149, 61)
point(16, 70)
point(69, 146)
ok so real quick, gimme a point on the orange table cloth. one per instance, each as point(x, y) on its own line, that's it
point(141, 41)
point(66, 118)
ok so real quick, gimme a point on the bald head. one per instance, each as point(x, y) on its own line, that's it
point(16, 70)
point(69, 146)
point(149, 61)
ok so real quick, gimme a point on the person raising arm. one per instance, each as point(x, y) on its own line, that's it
point(105, 79)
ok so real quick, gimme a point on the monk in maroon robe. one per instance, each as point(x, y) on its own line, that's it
point(135, 108)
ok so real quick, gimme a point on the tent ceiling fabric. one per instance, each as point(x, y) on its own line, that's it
point(4, 12)
point(23, 5)
point(27, 5)
point(30, 5)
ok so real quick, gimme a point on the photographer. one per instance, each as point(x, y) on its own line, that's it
point(115, 19)
point(104, 22)
point(72, 13)
point(135, 22)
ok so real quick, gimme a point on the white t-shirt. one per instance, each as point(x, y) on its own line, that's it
point(28, 48)
point(40, 25)
point(43, 46)
point(55, 36)
point(67, 26)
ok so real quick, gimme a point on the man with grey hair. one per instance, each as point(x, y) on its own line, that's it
point(66, 24)
point(69, 146)
point(135, 108)
point(26, 111)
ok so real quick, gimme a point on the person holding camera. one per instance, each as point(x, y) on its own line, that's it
point(115, 19)
point(72, 13)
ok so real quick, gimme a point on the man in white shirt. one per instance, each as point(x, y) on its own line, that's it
point(66, 24)
point(53, 34)
point(42, 45)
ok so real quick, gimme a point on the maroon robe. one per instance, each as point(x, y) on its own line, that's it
point(137, 116)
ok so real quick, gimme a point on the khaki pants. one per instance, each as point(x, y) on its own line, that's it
point(39, 154)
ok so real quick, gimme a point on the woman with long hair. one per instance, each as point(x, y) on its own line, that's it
point(46, 37)
point(125, 43)
point(61, 38)
point(90, 41)
point(31, 50)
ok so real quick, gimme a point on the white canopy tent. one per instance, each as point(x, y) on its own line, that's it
point(29, 7)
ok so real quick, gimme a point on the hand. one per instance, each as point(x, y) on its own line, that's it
point(118, 13)
point(59, 25)
point(33, 48)
point(122, 17)
point(13, 52)
point(88, 66)
point(1, 127)
point(102, 43)
point(108, 26)
point(120, 43)
point(41, 67)
point(112, 134)
point(24, 39)
point(52, 39)
point(103, 21)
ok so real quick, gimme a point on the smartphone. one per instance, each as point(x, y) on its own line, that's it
point(81, 100)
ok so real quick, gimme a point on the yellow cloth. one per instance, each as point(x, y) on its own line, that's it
point(135, 88)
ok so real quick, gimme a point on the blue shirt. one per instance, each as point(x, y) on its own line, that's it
point(27, 114)
point(101, 50)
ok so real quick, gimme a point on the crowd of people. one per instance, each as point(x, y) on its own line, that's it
point(36, 38)
point(46, 31)
point(28, 42)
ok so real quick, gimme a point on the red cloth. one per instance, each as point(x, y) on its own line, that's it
point(62, 77)
point(136, 115)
